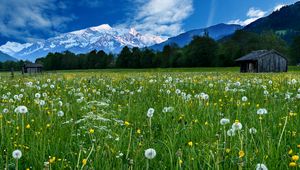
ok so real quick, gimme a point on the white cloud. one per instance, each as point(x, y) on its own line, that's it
point(278, 7)
point(19, 19)
point(256, 13)
point(253, 14)
point(161, 17)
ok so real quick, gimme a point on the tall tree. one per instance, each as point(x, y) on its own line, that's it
point(295, 51)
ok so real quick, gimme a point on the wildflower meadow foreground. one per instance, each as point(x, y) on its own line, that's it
point(150, 120)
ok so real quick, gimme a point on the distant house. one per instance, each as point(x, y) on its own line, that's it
point(263, 61)
point(32, 68)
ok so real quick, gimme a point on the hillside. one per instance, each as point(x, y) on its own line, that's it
point(216, 32)
point(4, 57)
point(284, 22)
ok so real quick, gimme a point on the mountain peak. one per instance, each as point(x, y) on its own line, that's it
point(133, 32)
point(12, 47)
point(101, 27)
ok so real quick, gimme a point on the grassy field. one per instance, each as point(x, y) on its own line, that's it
point(210, 118)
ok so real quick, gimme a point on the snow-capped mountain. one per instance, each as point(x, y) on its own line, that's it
point(101, 37)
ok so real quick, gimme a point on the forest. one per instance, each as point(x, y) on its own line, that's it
point(202, 51)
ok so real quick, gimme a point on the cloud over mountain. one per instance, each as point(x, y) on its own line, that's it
point(253, 14)
point(165, 16)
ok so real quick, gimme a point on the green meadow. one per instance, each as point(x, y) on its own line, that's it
point(208, 118)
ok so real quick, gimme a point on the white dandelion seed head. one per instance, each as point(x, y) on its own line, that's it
point(237, 126)
point(262, 111)
point(42, 102)
point(224, 121)
point(21, 109)
point(60, 113)
point(177, 91)
point(150, 153)
point(244, 99)
point(16, 97)
point(261, 167)
point(44, 94)
point(150, 112)
point(21, 96)
point(17, 154)
point(252, 131)
point(5, 110)
point(37, 95)
point(230, 132)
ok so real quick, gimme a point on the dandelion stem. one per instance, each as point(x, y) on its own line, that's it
point(128, 148)
point(283, 129)
point(87, 158)
point(147, 168)
point(17, 164)
point(150, 129)
point(79, 155)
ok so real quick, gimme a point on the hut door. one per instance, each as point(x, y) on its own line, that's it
point(252, 67)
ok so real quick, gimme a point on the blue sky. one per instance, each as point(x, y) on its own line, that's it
point(30, 20)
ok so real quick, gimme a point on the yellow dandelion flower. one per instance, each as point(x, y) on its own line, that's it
point(28, 126)
point(138, 131)
point(293, 164)
point(241, 154)
point(52, 160)
point(227, 150)
point(126, 123)
point(295, 158)
point(180, 162)
point(91, 131)
point(290, 151)
point(190, 143)
point(84, 161)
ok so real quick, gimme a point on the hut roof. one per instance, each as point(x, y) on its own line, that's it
point(32, 65)
point(255, 55)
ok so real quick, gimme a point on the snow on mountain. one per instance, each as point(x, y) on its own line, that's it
point(11, 48)
point(101, 37)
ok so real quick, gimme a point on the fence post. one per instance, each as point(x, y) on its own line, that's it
point(12, 72)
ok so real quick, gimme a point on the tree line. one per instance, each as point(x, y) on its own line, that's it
point(202, 51)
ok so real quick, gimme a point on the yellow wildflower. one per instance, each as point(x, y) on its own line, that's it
point(241, 154)
point(91, 131)
point(295, 158)
point(293, 164)
point(52, 160)
point(84, 161)
point(126, 123)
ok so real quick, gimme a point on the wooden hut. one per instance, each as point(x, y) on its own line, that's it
point(263, 61)
point(32, 68)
